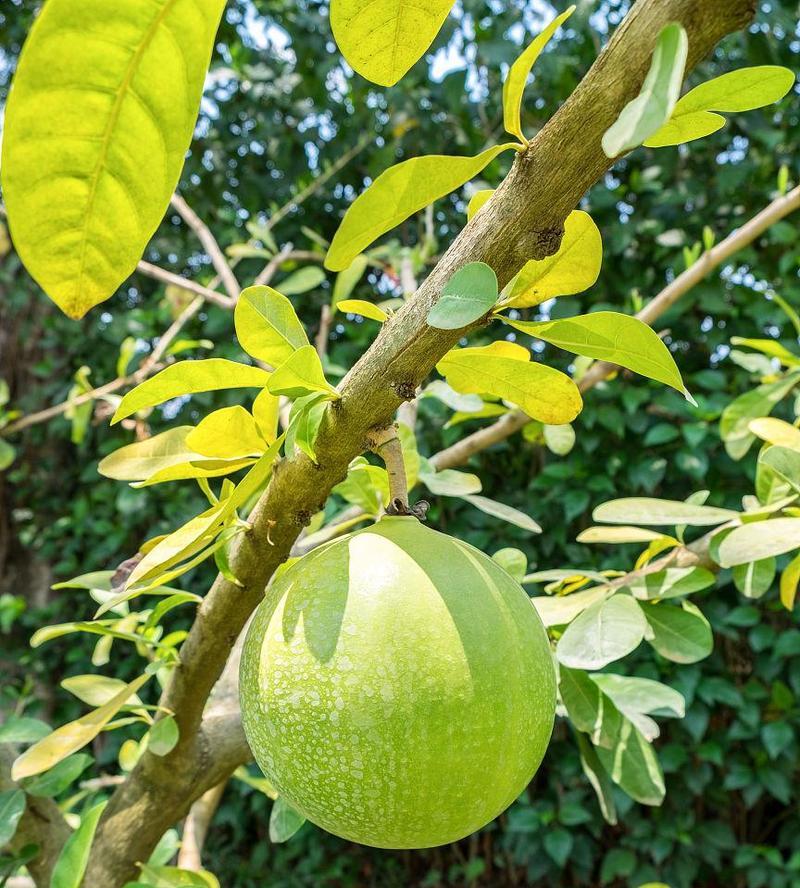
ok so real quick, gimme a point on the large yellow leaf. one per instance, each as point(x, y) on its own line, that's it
point(610, 336)
point(514, 85)
point(382, 39)
point(572, 269)
point(140, 460)
point(266, 412)
point(301, 375)
point(73, 736)
point(189, 378)
point(229, 433)
point(99, 118)
point(398, 193)
point(267, 325)
point(542, 392)
point(741, 90)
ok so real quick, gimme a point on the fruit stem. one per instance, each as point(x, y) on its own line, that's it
point(386, 443)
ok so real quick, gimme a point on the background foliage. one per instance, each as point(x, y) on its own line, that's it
point(278, 109)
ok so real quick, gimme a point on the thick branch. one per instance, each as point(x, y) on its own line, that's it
point(524, 220)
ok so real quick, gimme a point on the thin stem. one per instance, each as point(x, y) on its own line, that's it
point(167, 277)
point(386, 443)
point(210, 244)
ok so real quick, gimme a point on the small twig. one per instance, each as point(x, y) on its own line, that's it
point(169, 335)
point(161, 274)
point(209, 242)
point(268, 272)
point(195, 828)
point(324, 331)
point(386, 443)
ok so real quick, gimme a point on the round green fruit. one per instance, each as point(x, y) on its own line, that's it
point(397, 687)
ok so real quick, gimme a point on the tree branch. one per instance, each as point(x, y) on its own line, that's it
point(524, 220)
point(167, 277)
point(209, 242)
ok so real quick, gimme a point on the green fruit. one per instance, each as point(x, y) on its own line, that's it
point(397, 687)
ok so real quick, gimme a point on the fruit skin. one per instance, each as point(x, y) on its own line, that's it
point(397, 687)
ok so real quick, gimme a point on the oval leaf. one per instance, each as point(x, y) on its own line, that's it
point(655, 512)
point(762, 539)
point(267, 326)
point(466, 297)
point(398, 193)
point(606, 631)
point(681, 634)
point(301, 375)
point(96, 129)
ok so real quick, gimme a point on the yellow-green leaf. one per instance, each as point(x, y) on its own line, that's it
point(266, 412)
point(542, 392)
point(71, 737)
point(267, 326)
point(198, 468)
point(790, 579)
point(741, 90)
point(346, 280)
point(651, 109)
point(776, 431)
point(572, 269)
point(610, 336)
point(382, 39)
point(466, 297)
point(100, 115)
point(229, 433)
point(189, 378)
point(398, 193)
point(74, 856)
point(514, 85)
point(140, 460)
point(97, 690)
point(300, 375)
point(363, 308)
point(478, 200)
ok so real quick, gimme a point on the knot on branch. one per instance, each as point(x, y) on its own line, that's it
point(407, 390)
point(419, 510)
point(541, 243)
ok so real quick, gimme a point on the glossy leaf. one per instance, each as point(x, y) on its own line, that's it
point(284, 821)
point(542, 392)
point(761, 539)
point(140, 460)
point(753, 580)
point(741, 90)
point(573, 268)
point(654, 512)
point(465, 298)
point(398, 193)
point(363, 308)
point(558, 610)
point(610, 336)
point(266, 412)
point(606, 631)
point(648, 112)
point(229, 433)
point(681, 634)
point(672, 582)
point(189, 378)
point(514, 85)
point(96, 130)
point(633, 766)
point(55, 780)
point(73, 736)
point(74, 857)
point(381, 40)
point(478, 201)
point(267, 326)
point(300, 375)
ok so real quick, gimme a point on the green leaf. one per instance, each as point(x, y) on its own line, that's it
point(759, 540)
point(478, 201)
point(189, 378)
point(451, 482)
point(7, 455)
point(513, 561)
point(790, 580)
point(174, 877)
point(304, 422)
point(54, 781)
point(610, 336)
point(300, 375)
point(741, 90)
point(573, 268)
point(96, 130)
point(581, 698)
point(681, 634)
point(266, 412)
point(505, 370)
point(466, 297)
point(347, 279)
point(597, 775)
point(734, 424)
point(503, 512)
point(638, 698)
point(559, 439)
point(74, 857)
point(284, 821)
point(363, 308)
point(398, 193)
point(753, 580)
point(163, 736)
point(302, 280)
point(514, 85)
point(140, 460)
point(673, 582)
point(229, 433)
point(618, 535)
point(12, 807)
point(559, 610)
point(654, 512)
point(381, 40)
point(633, 766)
point(73, 736)
point(785, 463)
point(267, 326)
point(651, 109)
point(604, 632)
point(23, 729)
